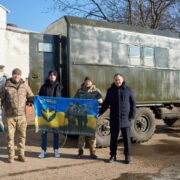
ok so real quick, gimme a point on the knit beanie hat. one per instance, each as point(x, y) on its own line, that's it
point(87, 78)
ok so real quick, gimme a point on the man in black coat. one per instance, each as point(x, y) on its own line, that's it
point(122, 110)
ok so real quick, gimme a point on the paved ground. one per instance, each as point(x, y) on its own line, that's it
point(158, 159)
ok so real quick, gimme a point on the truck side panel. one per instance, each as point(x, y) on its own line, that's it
point(100, 53)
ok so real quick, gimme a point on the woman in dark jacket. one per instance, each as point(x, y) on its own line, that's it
point(122, 109)
point(51, 88)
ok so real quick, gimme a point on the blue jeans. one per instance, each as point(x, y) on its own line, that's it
point(44, 141)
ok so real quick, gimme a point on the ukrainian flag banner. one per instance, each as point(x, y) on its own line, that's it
point(66, 115)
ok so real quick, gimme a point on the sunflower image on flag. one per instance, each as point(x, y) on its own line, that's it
point(66, 115)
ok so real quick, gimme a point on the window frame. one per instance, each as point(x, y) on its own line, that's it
point(130, 57)
point(152, 58)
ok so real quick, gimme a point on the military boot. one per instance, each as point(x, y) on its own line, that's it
point(11, 155)
point(22, 158)
point(80, 153)
point(93, 154)
point(11, 159)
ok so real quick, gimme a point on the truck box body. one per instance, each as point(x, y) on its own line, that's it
point(148, 59)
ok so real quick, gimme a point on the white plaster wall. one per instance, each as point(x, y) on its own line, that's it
point(2, 47)
point(16, 52)
point(3, 13)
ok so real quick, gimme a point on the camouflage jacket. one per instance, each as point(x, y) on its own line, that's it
point(14, 97)
point(92, 93)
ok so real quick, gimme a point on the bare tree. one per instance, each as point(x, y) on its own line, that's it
point(156, 14)
point(153, 13)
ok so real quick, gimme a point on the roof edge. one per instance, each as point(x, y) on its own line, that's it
point(7, 10)
point(126, 27)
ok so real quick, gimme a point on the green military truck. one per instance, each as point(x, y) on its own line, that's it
point(148, 59)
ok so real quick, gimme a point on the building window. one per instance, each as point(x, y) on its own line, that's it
point(45, 47)
point(148, 54)
point(134, 55)
point(161, 56)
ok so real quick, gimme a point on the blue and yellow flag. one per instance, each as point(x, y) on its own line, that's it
point(66, 115)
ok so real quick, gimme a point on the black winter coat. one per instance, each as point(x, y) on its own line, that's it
point(51, 89)
point(122, 106)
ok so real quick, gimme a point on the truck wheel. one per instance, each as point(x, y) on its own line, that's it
point(170, 122)
point(143, 126)
point(103, 132)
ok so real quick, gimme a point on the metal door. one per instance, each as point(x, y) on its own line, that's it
point(44, 55)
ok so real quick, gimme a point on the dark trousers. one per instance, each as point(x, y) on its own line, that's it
point(126, 141)
point(44, 141)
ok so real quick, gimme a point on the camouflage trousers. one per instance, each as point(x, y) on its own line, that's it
point(17, 125)
point(91, 141)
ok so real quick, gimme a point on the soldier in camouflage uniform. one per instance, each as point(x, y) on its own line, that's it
point(71, 114)
point(82, 116)
point(88, 91)
point(14, 95)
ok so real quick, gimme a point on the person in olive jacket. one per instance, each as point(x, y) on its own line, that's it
point(122, 110)
point(51, 88)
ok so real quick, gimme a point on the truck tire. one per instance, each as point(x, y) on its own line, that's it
point(143, 126)
point(103, 131)
point(170, 122)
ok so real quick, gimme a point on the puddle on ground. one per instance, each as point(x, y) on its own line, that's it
point(130, 176)
point(168, 173)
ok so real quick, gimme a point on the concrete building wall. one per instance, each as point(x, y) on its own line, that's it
point(3, 15)
point(16, 52)
point(14, 46)
point(2, 47)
